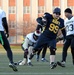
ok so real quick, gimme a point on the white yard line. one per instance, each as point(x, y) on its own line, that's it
point(38, 73)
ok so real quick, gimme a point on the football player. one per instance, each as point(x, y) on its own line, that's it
point(52, 24)
point(43, 59)
point(69, 25)
point(28, 44)
point(41, 29)
point(59, 38)
point(3, 38)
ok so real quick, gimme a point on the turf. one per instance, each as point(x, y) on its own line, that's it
point(39, 68)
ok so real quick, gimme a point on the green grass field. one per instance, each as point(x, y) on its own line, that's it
point(39, 68)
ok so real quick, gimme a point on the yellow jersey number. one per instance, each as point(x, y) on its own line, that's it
point(53, 28)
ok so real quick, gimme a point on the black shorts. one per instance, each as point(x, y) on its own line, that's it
point(43, 40)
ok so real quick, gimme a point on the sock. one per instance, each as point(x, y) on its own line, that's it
point(29, 61)
point(52, 58)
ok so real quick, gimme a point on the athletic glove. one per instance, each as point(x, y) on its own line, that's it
point(26, 51)
point(59, 39)
point(7, 35)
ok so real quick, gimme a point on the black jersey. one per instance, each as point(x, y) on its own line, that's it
point(52, 26)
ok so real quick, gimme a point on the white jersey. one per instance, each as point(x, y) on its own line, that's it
point(29, 41)
point(2, 15)
point(30, 37)
point(69, 24)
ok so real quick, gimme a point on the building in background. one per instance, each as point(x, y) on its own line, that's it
point(21, 14)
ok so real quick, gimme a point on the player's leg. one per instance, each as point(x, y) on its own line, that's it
point(7, 48)
point(65, 48)
point(36, 48)
point(41, 41)
point(44, 53)
point(52, 58)
point(30, 50)
point(24, 61)
point(52, 46)
point(72, 49)
point(24, 47)
point(38, 54)
point(64, 53)
point(9, 52)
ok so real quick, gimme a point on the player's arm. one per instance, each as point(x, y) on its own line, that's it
point(59, 39)
point(59, 36)
point(45, 18)
point(39, 27)
point(25, 46)
point(63, 37)
point(39, 24)
point(4, 23)
point(63, 29)
point(64, 33)
point(25, 43)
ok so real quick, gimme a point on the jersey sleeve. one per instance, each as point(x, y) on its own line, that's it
point(3, 14)
point(4, 21)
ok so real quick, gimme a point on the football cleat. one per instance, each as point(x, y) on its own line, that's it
point(13, 67)
point(44, 60)
point(30, 64)
point(17, 63)
point(23, 62)
point(53, 65)
point(62, 63)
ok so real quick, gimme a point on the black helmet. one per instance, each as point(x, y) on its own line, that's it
point(57, 10)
